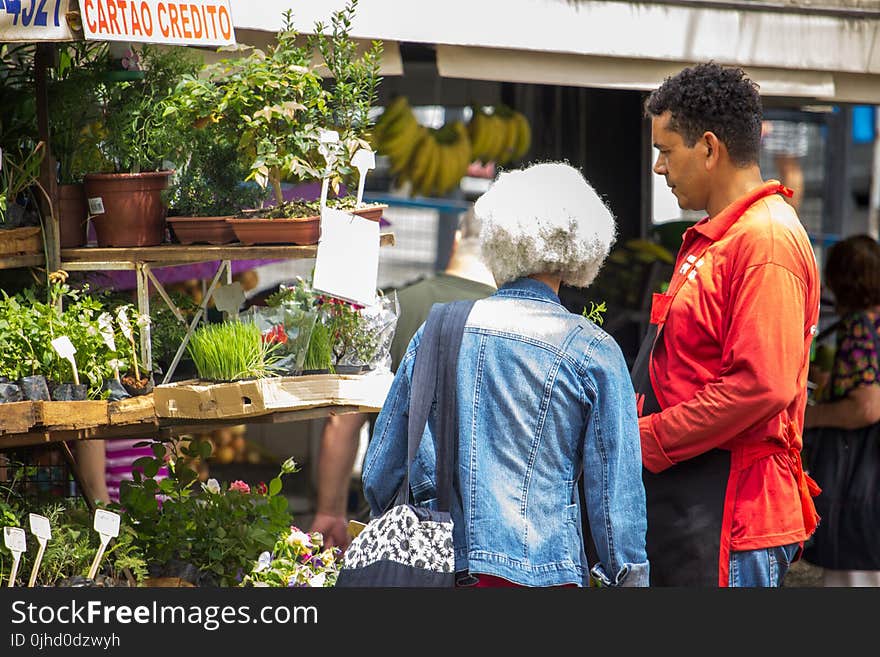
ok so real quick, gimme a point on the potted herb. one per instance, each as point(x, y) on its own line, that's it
point(135, 379)
point(137, 138)
point(232, 351)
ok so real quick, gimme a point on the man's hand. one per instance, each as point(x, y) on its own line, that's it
point(333, 528)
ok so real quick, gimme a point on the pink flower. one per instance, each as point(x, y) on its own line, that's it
point(240, 486)
point(262, 488)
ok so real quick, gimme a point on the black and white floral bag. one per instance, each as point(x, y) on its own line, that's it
point(408, 545)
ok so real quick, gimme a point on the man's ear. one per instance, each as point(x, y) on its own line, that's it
point(713, 149)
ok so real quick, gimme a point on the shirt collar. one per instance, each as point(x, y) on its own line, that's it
point(528, 288)
point(722, 221)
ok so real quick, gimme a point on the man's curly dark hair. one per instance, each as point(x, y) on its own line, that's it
point(714, 98)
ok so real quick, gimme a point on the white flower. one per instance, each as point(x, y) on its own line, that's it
point(318, 580)
point(263, 562)
point(299, 538)
point(213, 486)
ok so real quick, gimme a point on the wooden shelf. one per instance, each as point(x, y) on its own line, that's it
point(175, 254)
point(13, 262)
point(167, 427)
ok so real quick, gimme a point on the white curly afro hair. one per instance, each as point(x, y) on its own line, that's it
point(544, 219)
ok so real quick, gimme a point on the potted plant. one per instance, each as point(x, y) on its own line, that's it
point(205, 532)
point(209, 186)
point(136, 139)
point(231, 351)
point(296, 559)
point(76, 131)
point(274, 105)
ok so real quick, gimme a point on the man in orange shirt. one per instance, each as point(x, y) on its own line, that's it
point(721, 377)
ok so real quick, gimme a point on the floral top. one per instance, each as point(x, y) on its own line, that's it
point(856, 361)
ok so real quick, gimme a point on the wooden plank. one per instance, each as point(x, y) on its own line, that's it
point(72, 414)
point(17, 417)
point(13, 262)
point(133, 410)
point(44, 436)
point(21, 241)
point(177, 427)
point(178, 253)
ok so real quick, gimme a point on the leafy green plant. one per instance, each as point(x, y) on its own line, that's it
point(210, 182)
point(217, 529)
point(296, 559)
point(17, 176)
point(232, 350)
point(137, 134)
point(596, 314)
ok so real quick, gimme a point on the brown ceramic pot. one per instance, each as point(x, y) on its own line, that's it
point(299, 230)
point(72, 215)
point(204, 230)
point(374, 213)
point(134, 214)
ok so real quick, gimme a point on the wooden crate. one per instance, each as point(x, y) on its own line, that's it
point(71, 414)
point(134, 410)
point(17, 417)
point(21, 241)
point(206, 401)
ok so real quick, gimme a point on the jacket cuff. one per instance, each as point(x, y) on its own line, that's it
point(653, 457)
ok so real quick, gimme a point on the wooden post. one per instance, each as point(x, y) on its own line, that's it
point(43, 61)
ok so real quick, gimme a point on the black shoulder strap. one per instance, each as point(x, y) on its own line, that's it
point(434, 375)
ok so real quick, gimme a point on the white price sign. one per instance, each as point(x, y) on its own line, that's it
point(40, 526)
point(35, 20)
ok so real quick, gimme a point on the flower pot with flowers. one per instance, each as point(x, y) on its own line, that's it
point(136, 139)
point(204, 532)
point(297, 559)
point(273, 105)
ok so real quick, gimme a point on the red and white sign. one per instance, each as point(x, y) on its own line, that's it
point(179, 22)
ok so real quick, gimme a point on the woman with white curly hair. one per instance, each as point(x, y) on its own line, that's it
point(543, 396)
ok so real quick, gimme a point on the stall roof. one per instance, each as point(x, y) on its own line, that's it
point(823, 50)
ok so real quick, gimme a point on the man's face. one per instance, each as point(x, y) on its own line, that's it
point(683, 167)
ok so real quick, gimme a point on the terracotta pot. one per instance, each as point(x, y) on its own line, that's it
point(299, 230)
point(134, 214)
point(374, 213)
point(205, 230)
point(72, 215)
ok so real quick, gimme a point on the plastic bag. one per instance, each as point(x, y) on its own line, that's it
point(366, 344)
point(290, 327)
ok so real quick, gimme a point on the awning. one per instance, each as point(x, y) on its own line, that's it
point(791, 50)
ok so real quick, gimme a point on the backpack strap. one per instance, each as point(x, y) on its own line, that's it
point(434, 377)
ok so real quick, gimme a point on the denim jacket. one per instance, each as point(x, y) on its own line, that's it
point(543, 394)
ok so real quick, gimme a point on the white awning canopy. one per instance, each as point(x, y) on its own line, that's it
point(792, 50)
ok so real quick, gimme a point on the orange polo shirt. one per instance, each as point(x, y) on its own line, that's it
point(730, 367)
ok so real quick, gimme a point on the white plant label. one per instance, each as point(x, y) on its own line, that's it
point(41, 529)
point(64, 347)
point(107, 526)
point(364, 160)
point(13, 538)
point(105, 326)
point(347, 261)
point(124, 324)
point(107, 522)
point(40, 526)
point(96, 205)
point(228, 298)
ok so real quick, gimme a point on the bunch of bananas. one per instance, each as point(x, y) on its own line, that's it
point(433, 160)
point(501, 136)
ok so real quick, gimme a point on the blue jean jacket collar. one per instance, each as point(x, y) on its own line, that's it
point(528, 288)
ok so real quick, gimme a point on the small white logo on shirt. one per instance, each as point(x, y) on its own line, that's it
point(691, 265)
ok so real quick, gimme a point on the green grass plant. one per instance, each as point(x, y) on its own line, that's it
point(232, 351)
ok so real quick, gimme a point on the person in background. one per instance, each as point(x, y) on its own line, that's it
point(722, 374)
point(786, 142)
point(465, 277)
point(543, 395)
point(852, 397)
point(105, 464)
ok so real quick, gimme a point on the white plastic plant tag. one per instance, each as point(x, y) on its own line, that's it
point(228, 298)
point(105, 328)
point(107, 526)
point(41, 529)
point(364, 160)
point(40, 526)
point(96, 205)
point(14, 540)
point(64, 348)
point(122, 320)
point(347, 261)
point(107, 522)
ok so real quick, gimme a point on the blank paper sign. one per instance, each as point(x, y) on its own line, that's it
point(347, 262)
